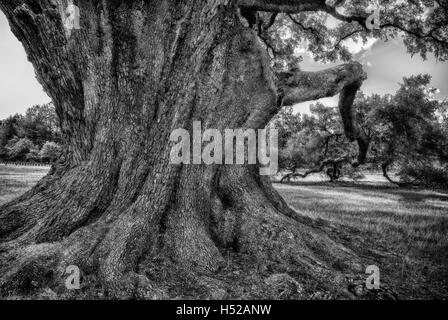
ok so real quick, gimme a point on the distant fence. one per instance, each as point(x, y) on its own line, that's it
point(24, 164)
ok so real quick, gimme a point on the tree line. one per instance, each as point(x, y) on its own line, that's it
point(407, 133)
point(33, 137)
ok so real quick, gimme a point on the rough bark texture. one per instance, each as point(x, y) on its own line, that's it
point(136, 71)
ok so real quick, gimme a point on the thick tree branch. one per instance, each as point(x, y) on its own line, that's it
point(361, 20)
point(351, 127)
point(385, 168)
point(285, 6)
point(270, 23)
point(345, 18)
point(346, 36)
point(310, 30)
point(294, 7)
point(298, 86)
point(333, 162)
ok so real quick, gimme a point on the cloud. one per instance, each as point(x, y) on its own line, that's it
point(357, 48)
point(364, 55)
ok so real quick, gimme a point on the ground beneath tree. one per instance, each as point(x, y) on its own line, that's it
point(404, 232)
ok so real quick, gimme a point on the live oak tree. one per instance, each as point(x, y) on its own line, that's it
point(22, 137)
point(406, 133)
point(136, 71)
point(40, 124)
point(317, 145)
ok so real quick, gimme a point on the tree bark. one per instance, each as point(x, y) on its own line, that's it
point(135, 72)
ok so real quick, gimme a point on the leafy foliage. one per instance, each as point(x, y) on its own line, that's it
point(325, 32)
point(18, 149)
point(318, 138)
point(40, 124)
point(407, 130)
point(407, 133)
point(50, 152)
point(34, 137)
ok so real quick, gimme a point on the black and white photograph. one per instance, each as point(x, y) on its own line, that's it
point(242, 152)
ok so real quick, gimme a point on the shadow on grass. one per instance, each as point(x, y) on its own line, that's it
point(404, 231)
point(408, 193)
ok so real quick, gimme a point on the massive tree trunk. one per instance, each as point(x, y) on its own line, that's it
point(133, 73)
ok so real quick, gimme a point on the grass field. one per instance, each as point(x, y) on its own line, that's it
point(403, 231)
point(15, 180)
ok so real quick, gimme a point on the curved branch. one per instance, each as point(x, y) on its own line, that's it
point(351, 127)
point(271, 22)
point(315, 33)
point(285, 6)
point(346, 36)
point(312, 31)
point(294, 7)
point(361, 20)
point(385, 169)
point(298, 86)
point(349, 19)
point(333, 162)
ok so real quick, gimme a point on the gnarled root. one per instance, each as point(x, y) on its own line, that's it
point(266, 228)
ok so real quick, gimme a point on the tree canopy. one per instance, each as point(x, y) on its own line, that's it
point(23, 137)
point(406, 131)
point(324, 28)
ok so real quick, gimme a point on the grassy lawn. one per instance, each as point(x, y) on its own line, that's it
point(403, 231)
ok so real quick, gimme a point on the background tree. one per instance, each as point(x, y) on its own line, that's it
point(137, 70)
point(40, 124)
point(9, 129)
point(50, 152)
point(38, 127)
point(319, 146)
point(407, 133)
point(287, 124)
point(18, 149)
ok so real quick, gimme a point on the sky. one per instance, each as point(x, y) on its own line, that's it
point(386, 63)
point(19, 88)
